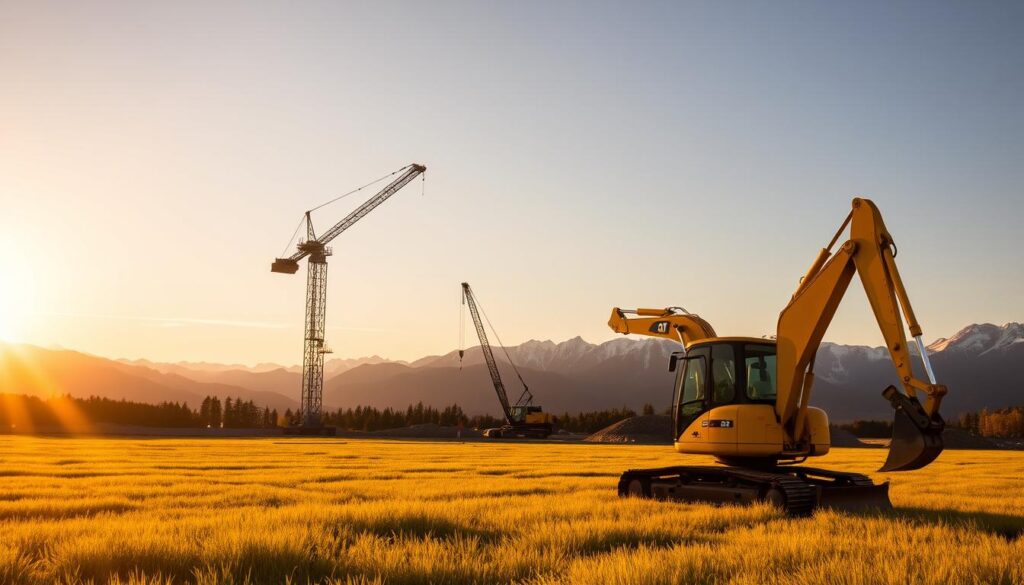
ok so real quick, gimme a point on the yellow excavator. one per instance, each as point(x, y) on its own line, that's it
point(746, 400)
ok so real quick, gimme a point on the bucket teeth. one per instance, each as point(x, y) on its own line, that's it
point(916, 437)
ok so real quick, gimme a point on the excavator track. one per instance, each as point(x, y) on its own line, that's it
point(797, 490)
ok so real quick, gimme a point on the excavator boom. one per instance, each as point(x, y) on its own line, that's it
point(869, 253)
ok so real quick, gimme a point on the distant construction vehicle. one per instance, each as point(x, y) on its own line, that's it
point(522, 419)
point(310, 419)
point(746, 400)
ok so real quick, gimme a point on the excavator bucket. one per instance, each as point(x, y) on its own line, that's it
point(916, 437)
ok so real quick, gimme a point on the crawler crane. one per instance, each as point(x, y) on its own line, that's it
point(746, 401)
point(523, 419)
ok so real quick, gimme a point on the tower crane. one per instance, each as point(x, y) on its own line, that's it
point(315, 248)
point(522, 419)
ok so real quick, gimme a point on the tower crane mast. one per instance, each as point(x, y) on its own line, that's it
point(316, 249)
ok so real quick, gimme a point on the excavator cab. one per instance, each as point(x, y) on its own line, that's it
point(518, 413)
point(725, 372)
point(724, 385)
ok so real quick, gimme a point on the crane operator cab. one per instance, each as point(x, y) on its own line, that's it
point(527, 414)
point(724, 404)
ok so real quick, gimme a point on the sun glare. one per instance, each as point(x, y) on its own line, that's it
point(12, 321)
point(16, 300)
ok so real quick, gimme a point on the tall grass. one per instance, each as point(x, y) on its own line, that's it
point(299, 511)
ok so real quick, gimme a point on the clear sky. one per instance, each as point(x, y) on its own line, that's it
point(155, 157)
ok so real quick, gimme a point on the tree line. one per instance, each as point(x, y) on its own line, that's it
point(369, 418)
point(21, 411)
point(235, 415)
point(1003, 423)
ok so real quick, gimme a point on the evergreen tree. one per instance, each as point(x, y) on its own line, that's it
point(204, 412)
point(216, 413)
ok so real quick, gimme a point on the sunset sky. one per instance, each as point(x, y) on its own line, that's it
point(154, 159)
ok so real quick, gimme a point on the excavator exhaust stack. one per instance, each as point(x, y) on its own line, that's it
point(916, 437)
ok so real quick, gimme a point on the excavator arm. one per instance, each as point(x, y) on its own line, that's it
point(673, 323)
point(870, 253)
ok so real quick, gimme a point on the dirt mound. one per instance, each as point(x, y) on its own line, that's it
point(427, 431)
point(844, 438)
point(651, 429)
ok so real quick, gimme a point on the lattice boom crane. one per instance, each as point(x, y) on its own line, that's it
point(316, 249)
point(522, 419)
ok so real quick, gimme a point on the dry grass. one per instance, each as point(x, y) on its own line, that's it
point(355, 511)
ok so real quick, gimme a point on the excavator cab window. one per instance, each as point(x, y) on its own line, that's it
point(723, 374)
point(518, 413)
point(760, 369)
point(691, 388)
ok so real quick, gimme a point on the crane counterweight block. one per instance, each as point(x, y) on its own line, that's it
point(284, 266)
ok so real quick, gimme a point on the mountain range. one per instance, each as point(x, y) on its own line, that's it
point(979, 364)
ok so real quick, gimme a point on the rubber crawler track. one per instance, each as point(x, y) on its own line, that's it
point(799, 485)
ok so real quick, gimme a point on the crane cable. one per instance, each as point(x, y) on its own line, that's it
point(359, 189)
point(462, 327)
point(292, 239)
point(352, 192)
point(502, 345)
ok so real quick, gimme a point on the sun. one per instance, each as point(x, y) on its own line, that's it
point(16, 302)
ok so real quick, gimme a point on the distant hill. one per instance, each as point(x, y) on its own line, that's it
point(397, 386)
point(225, 373)
point(26, 369)
point(980, 364)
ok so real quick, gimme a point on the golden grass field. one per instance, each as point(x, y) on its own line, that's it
point(93, 510)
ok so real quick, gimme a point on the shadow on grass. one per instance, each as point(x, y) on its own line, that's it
point(421, 526)
point(61, 513)
point(536, 475)
point(627, 538)
point(1004, 525)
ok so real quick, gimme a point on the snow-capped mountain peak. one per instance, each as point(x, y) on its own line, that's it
point(981, 338)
